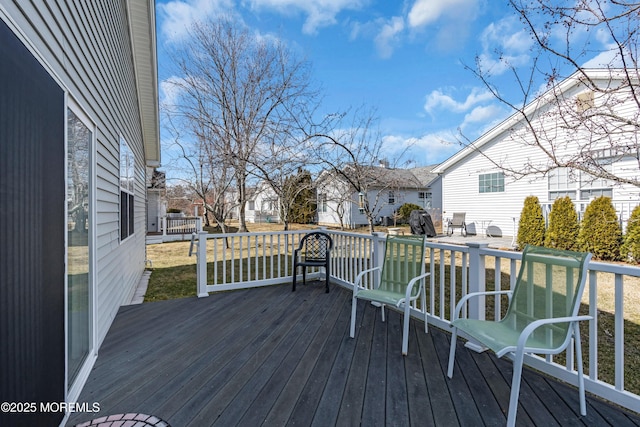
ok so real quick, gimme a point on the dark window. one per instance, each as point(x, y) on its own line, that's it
point(127, 168)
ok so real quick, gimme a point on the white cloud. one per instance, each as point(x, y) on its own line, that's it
point(176, 17)
point(439, 99)
point(425, 12)
point(427, 149)
point(487, 116)
point(170, 89)
point(505, 44)
point(389, 36)
point(320, 13)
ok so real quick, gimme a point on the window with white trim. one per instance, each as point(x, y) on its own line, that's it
point(425, 199)
point(127, 192)
point(322, 202)
point(562, 182)
point(392, 198)
point(491, 182)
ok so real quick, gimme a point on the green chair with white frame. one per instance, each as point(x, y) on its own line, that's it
point(542, 316)
point(398, 282)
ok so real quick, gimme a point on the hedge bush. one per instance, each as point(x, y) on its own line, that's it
point(631, 245)
point(406, 209)
point(562, 232)
point(531, 224)
point(600, 231)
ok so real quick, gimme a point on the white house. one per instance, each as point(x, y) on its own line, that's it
point(386, 190)
point(474, 179)
point(263, 204)
point(78, 126)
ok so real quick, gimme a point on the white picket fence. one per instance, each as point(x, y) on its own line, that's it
point(244, 260)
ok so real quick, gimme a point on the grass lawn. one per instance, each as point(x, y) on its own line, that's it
point(174, 276)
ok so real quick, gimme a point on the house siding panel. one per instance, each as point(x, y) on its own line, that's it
point(87, 47)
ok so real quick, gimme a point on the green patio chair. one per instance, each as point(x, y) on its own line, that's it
point(542, 317)
point(398, 282)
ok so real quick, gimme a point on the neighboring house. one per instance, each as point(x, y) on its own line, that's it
point(78, 126)
point(386, 189)
point(473, 180)
point(156, 199)
point(262, 204)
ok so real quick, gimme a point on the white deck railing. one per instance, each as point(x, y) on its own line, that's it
point(244, 260)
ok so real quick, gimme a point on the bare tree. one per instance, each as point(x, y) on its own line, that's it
point(351, 150)
point(207, 175)
point(242, 89)
point(602, 110)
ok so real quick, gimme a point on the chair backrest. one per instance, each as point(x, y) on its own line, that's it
point(403, 260)
point(315, 246)
point(550, 284)
point(458, 218)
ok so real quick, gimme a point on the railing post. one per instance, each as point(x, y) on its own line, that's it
point(202, 265)
point(163, 225)
point(476, 308)
point(198, 225)
point(377, 247)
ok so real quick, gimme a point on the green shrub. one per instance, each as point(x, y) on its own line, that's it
point(562, 232)
point(631, 246)
point(600, 231)
point(406, 209)
point(531, 225)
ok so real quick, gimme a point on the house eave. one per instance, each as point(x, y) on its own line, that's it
point(143, 38)
point(573, 80)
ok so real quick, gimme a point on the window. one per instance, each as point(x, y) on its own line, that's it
point(127, 168)
point(591, 186)
point(361, 202)
point(562, 183)
point(584, 101)
point(392, 198)
point(322, 202)
point(491, 182)
point(425, 198)
point(251, 205)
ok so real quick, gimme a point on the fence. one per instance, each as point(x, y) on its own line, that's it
point(610, 340)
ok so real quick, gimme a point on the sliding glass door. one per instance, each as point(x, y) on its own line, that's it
point(79, 318)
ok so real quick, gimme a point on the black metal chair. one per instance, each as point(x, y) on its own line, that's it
point(314, 250)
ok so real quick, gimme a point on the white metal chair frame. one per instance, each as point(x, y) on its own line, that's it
point(401, 300)
point(516, 350)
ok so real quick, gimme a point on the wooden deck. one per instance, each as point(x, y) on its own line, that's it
point(267, 356)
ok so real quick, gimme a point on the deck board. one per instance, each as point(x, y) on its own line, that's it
point(269, 356)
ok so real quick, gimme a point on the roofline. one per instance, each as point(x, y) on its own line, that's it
point(142, 25)
point(568, 83)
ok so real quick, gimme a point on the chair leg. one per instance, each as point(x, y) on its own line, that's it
point(354, 306)
point(326, 273)
point(304, 275)
point(424, 309)
point(452, 351)
point(515, 388)
point(405, 329)
point(295, 272)
point(576, 335)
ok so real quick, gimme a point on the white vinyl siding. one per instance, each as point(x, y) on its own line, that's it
point(87, 47)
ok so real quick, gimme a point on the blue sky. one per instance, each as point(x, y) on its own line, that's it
point(405, 58)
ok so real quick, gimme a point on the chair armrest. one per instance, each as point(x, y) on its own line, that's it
point(464, 299)
point(531, 327)
point(359, 277)
point(410, 285)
